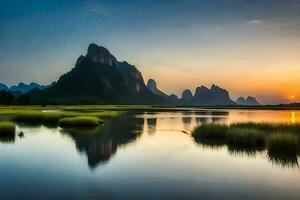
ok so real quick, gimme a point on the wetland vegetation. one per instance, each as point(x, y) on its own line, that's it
point(137, 139)
point(281, 140)
point(55, 115)
point(7, 128)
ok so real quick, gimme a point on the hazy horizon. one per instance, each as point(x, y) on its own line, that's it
point(250, 48)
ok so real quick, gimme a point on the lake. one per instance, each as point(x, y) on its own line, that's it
point(143, 155)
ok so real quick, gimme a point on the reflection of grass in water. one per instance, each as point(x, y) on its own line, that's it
point(283, 149)
point(284, 160)
point(211, 144)
point(80, 121)
point(9, 139)
point(243, 151)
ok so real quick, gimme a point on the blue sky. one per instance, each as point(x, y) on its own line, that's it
point(199, 42)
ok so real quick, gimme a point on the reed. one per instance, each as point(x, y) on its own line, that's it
point(210, 132)
point(245, 137)
point(7, 128)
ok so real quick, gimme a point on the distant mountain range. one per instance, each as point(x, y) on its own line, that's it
point(22, 87)
point(205, 96)
point(99, 78)
point(249, 101)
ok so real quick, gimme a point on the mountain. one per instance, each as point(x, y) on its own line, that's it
point(152, 86)
point(249, 101)
point(24, 88)
point(3, 87)
point(98, 78)
point(213, 96)
point(187, 95)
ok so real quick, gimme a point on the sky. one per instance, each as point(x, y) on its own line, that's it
point(249, 47)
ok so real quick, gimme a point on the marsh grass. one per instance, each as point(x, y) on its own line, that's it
point(83, 132)
point(282, 140)
point(7, 129)
point(245, 138)
point(109, 114)
point(210, 132)
point(35, 117)
point(83, 121)
point(269, 127)
point(38, 117)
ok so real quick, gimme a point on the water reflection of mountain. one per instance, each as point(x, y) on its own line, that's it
point(151, 122)
point(204, 117)
point(99, 144)
point(187, 120)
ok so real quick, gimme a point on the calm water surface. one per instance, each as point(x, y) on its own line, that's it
point(143, 156)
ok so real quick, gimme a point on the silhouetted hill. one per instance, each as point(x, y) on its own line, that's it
point(187, 95)
point(98, 78)
point(213, 96)
point(152, 86)
point(249, 101)
point(13, 98)
point(24, 88)
point(3, 87)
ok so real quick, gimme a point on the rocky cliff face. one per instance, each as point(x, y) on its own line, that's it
point(249, 101)
point(100, 55)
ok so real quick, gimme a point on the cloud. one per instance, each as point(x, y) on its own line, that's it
point(255, 21)
point(97, 8)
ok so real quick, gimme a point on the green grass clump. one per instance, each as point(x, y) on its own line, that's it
point(210, 132)
point(83, 121)
point(51, 118)
point(245, 137)
point(29, 117)
point(7, 128)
